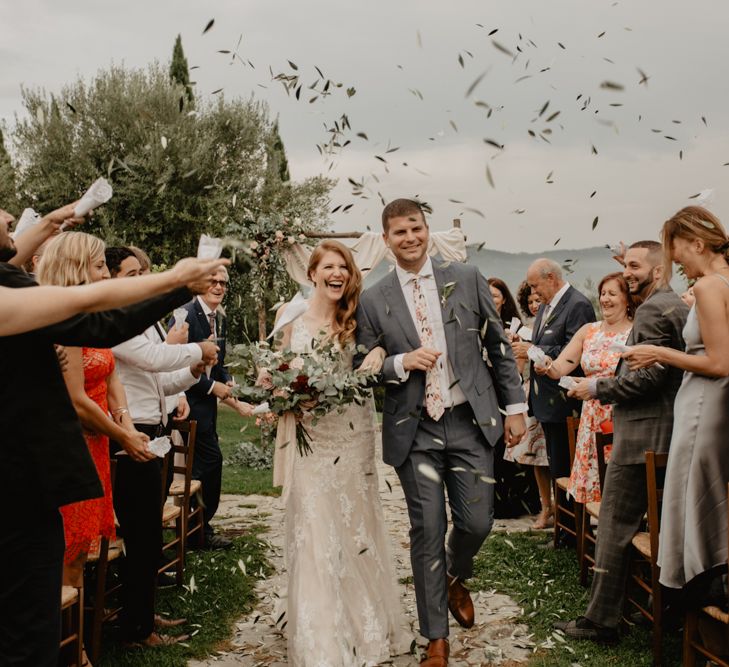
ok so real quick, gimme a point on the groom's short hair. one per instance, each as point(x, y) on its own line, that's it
point(400, 208)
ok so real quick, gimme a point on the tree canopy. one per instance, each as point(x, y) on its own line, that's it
point(177, 172)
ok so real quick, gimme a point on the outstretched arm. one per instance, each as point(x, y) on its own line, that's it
point(569, 358)
point(42, 307)
point(47, 226)
point(711, 309)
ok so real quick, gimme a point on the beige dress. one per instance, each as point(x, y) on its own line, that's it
point(343, 602)
point(693, 522)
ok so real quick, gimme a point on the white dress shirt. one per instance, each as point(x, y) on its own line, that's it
point(452, 393)
point(553, 304)
point(150, 369)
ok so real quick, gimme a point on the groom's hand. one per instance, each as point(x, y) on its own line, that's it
point(514, 429)
point(422, 359)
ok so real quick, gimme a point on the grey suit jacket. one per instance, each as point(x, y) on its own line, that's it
point(643, 412)
point(470, 322)
point(547, 400)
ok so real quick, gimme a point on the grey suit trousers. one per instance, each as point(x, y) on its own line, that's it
point(455, 441)
point(624, 503)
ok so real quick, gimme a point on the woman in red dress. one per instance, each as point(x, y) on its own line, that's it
point(74, 258)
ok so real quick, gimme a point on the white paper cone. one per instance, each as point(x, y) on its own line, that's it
point(99, 193)
point(160, 446)
point(180, 317)
point(525, 333)
point(209, 247)
point(567, 382)
point(536, 354)
point(28, 219)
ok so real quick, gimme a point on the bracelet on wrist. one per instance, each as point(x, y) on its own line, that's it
point(120, 411)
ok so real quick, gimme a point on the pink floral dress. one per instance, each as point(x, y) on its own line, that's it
point(597, 361)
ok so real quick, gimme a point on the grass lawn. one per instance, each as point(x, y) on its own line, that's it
point(218, 591)
point(236, 478)
point(546, 584)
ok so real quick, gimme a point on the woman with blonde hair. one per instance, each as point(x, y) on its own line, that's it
point(693, 545)
point(75, 258)
point(343, 607)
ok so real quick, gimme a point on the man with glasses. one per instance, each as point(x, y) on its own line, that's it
point(206, 319)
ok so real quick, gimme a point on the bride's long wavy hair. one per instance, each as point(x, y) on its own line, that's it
point(344, 321)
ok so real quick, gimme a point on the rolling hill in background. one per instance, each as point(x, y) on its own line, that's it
point(579, 265)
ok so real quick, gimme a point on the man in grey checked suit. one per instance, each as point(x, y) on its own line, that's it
point(643, 420)
point(441, 415)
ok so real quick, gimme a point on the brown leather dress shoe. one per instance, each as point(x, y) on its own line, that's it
point(437, 653)
point(460, 603)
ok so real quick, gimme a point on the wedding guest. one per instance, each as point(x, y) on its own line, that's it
point(642, 419)
point(693, 544)
point(529, 303)
point(75, 258)
point(149, 371)
point(532, 449)
point(593, 348)
point(46, 462)
point(143, 258)
point(514, 494)
point(207, 320)
point(563, 311)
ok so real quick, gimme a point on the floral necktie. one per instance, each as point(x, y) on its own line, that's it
point(433, 396)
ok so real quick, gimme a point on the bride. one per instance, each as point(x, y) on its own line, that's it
point(343, 605)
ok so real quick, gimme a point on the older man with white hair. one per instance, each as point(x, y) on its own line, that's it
point(206, 318)
point(563, 311)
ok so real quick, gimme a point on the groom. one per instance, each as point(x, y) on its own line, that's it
point(441, 414)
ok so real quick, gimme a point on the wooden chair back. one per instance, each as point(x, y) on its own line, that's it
point(645, 554)
point(713, 616)
point(184, 492)
point(567, 515)
point(72, 626)
point(591, 510)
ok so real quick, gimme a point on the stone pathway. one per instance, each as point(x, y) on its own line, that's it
point(497, 638)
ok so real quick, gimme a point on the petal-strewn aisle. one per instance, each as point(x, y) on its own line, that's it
point(497, 638)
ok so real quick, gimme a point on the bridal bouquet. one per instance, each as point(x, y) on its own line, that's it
point(306, 385)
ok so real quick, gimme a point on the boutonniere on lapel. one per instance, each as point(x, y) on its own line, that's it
point(446, 292)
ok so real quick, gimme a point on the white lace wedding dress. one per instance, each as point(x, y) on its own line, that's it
point(343, 605)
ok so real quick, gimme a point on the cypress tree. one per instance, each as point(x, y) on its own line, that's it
point(278, 155)
point(179, 71)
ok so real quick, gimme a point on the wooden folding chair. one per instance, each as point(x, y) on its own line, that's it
point(172, 518)
point(566, 519)
point(97, 610)
point(183, 490)
point(644, 565)
point(692, 643)
point(592, 510)
point(72, 626)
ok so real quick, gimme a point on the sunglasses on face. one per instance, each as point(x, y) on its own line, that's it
point(222, 283)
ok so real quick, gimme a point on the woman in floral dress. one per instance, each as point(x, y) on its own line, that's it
point(596, 348)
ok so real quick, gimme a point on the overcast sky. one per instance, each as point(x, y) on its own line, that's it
point(402, 59)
